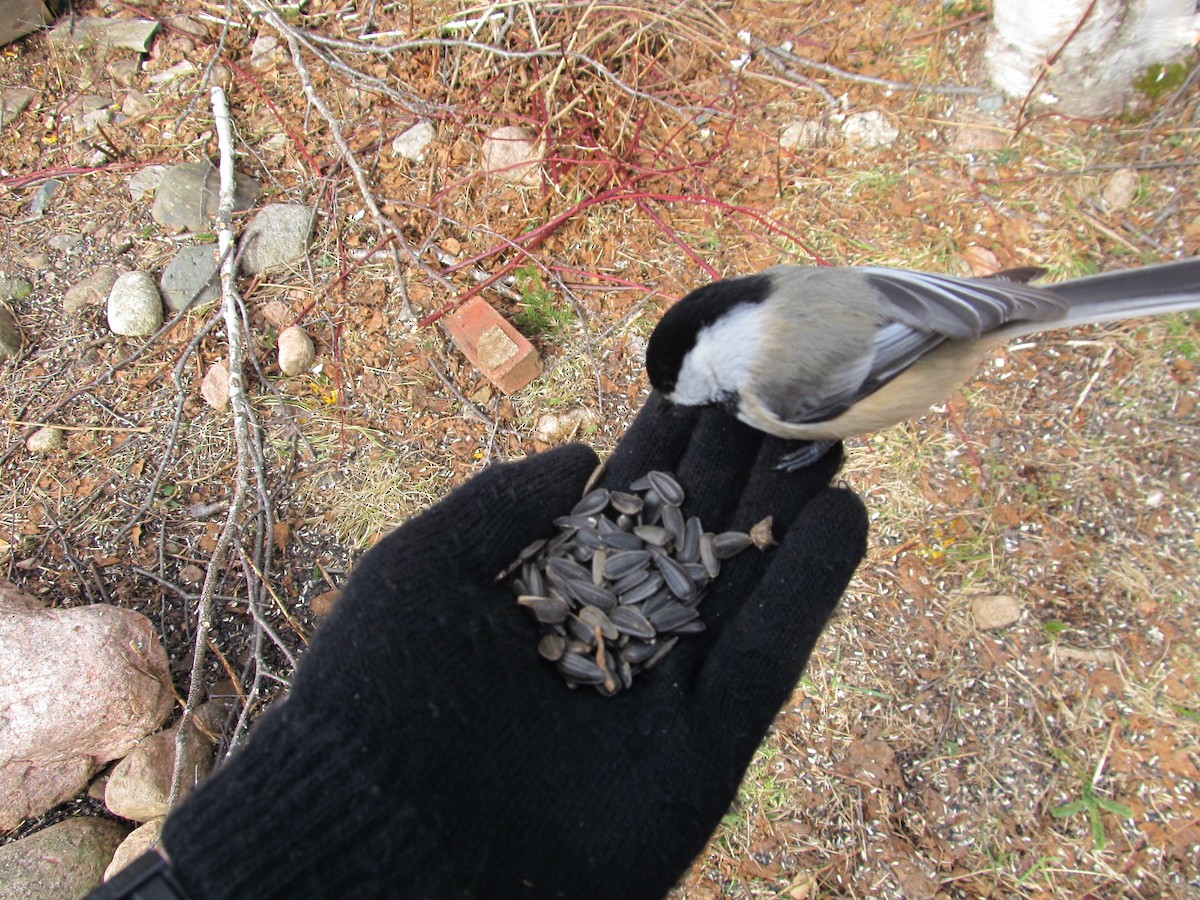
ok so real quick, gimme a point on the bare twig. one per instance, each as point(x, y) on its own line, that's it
point(908, 87)
point(243, 419)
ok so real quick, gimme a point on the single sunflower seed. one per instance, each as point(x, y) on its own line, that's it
point(628, 620)
point(581, 668)
point(622, 540)
point(629, 504)
point(654, 535)
point(676, 577)
point(622, 562)
point(672, 616)
point(552, 647)
point(548, 610)
point(672, 520)
point(592, 503)
point(595, 618)
point(728, 544)
point(649, 586)
point(667, 487)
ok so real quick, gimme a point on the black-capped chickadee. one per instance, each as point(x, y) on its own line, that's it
point(820, 354)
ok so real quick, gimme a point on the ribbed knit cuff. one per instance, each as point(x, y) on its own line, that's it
point(293, 814)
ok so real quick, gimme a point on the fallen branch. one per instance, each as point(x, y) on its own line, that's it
point(243, 419)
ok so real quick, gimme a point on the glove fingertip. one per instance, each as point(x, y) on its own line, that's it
point(761, 653)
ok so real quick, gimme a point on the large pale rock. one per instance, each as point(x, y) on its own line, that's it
point(135, 306)
point(139, 784)
point(78, 688)
point(144, 837)
point(64, 860)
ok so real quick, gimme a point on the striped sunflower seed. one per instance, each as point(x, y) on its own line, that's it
point(547, 610)
point(728, 544)
point(620, 583)
point(621, 562)
point(582, 669)
point(552, 647)
point(667, 487)
point(629, 504)
point(628, 620)
point(592, 503)
point(594, 618)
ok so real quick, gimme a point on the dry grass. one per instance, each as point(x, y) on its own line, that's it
point(921, 755)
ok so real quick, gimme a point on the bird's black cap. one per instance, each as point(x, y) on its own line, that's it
point(675, 334)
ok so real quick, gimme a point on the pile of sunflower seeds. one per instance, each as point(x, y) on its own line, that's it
point(620, 583)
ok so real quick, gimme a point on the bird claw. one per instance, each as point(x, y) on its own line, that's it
point(805, 456)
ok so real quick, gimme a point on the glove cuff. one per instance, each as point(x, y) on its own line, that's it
point(279, 818)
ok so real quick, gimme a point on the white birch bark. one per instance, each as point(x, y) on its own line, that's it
point(1094, 64)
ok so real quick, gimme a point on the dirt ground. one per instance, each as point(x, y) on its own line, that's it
point(922, 755)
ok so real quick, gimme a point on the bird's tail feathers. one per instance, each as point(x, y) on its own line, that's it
point(1129, 293)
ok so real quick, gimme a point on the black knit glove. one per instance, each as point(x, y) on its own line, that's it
point(426, 750)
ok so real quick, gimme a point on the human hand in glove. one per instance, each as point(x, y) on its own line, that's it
point(426, 750)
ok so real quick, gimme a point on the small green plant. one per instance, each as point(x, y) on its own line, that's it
point(1092, 803)
point(539, 313)
point(1007, 156)
point(1054, 628)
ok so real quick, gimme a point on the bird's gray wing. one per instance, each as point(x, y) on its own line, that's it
point(917, 311)
point(962, 309)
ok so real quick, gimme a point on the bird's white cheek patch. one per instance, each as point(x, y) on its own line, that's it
point(720, 363)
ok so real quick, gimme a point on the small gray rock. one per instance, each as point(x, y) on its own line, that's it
point(513, 153)
point(276, 238)
point(65, 243)
point(136, 104)
point(135, 307)
point(64, 860)
point(145, 181)
point(92, 290)
point(10, 334)
point(1120, 190)
point(13, 102)
point(296, 351)
point(90, 31)
point(192, 273)
point(42, 197)
point(411, 144)
point(804, 133)
point(14, 288)
point(870, 129)
point(188, 194)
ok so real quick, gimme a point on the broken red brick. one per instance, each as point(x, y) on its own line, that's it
point(494, 346)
